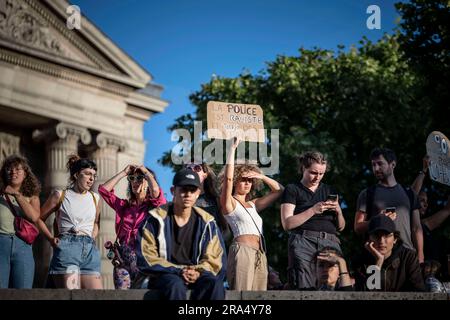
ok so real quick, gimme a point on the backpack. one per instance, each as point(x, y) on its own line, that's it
point(370, 196)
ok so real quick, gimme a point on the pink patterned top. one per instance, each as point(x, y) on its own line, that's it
point(132, 215)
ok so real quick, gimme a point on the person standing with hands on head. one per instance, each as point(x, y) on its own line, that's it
point(310, 211)
point(390, 198)
point(19, 197)
point(247, 261)
point(144, 194)
point(77, 224)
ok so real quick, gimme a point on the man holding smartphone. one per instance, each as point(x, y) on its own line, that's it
point(391, 199)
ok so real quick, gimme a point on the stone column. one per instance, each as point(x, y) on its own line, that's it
point(106, 158)
point(61, 141)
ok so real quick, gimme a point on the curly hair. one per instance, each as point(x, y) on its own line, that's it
point(30, 185)
point(239, 171)
point(305, 160)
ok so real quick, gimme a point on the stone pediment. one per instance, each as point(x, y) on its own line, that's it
point(38, 29)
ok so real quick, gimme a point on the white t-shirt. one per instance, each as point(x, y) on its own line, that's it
point(77, 212)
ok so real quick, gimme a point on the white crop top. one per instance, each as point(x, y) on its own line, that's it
point(241, 223)
point(77, 212)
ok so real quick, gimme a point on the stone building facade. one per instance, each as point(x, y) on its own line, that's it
point(66, 91)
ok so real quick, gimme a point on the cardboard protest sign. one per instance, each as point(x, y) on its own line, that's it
point(438, 151)
point(226, 120)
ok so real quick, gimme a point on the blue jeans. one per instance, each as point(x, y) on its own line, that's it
point(77, 252)
point(16, 263)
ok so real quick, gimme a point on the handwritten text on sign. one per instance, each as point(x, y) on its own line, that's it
point(226, 120)
point(438, 151)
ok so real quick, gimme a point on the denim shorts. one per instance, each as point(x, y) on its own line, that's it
point(75, 252)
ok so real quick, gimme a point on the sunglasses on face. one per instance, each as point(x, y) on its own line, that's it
point(195, 167)
point(138, 178)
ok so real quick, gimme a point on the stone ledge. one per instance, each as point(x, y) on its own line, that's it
point(63, 294)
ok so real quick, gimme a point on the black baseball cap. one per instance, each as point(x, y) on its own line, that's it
point(381, 223)
point(186, 177)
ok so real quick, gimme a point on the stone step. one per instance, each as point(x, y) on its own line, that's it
point(142, 294)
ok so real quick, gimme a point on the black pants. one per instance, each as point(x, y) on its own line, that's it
point(206, 287)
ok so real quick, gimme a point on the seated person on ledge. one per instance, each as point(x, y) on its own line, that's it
point(387, 265)
point(180, 246)
point(331, 270)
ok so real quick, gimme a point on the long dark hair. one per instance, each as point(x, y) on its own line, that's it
point(30, 185)
point(211, 191)
point(210, 183)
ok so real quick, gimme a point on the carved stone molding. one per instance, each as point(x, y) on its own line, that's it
point(62, 72)
point(105, 140)
point(29, 23)
point(19, 23)
point(9, 145)
point(63, 131)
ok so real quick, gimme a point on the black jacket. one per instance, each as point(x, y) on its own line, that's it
point(400, 272)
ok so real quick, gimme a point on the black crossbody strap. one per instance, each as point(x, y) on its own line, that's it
point(263, 241)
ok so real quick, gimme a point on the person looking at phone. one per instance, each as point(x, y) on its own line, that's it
point(396, 265)
point(311, 213)
point(388, 193)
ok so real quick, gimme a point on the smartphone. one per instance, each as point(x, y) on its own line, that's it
point(390, 209)
point(332, 197)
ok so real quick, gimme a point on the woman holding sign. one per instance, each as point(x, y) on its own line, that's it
point(247, 262)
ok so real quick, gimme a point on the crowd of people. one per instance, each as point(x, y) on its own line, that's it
point(181, 245)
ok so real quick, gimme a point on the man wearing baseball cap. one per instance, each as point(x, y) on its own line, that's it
point(180, 247)
point(386, 257)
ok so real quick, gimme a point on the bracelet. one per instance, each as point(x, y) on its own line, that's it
point(421, 172)
point(341, 273)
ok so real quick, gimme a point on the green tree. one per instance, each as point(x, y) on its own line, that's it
point(425, 40)
point(341, 103)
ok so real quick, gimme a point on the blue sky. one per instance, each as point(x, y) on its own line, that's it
point(182, 43)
